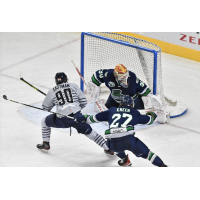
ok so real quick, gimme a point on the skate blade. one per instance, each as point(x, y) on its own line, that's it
point(129, 165)
point(110, 154)
point(44, 151)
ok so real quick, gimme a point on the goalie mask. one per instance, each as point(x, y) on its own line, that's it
point(121, 74)
point(60, 78)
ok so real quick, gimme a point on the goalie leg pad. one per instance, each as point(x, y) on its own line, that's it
point(163, 116)
point(152, 101)
point(102, 104)
point(92, 92)
point(156, 102)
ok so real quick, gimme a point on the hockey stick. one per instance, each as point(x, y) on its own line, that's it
point(96, 102)
point(22, 79)
point(5, 97)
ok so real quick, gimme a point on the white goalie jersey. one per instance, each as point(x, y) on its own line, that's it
point(67, 97)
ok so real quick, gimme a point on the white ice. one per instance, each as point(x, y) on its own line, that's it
point(42, 55)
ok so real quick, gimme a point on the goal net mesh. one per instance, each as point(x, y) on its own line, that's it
point(104, 50)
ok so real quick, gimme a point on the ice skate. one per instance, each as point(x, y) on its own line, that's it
point(109, 152)
point(44, 147)
point(125, 162)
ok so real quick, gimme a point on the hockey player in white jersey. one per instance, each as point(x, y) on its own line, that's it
point(69, 100)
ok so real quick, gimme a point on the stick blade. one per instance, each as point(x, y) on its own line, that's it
point(5, 97)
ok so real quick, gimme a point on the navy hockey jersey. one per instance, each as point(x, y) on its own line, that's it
point(135, 86)
point(121, 120)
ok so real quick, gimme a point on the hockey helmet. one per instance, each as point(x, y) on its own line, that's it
point(61, 77)
point(126, 100)
point(121, 74)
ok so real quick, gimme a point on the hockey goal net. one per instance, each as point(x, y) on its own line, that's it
point(103, 50)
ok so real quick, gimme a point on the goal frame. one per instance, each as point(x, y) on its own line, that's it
point(155, 53)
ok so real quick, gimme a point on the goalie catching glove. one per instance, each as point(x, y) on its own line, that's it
point(92, 92)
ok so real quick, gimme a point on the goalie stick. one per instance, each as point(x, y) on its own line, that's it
point(96, 102)
point(5, 97)
point(78, 72)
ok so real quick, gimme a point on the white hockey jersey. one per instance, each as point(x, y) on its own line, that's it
point(67, 97)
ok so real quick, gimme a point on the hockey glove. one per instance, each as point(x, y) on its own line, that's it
point(81, 118)
point(154, 116)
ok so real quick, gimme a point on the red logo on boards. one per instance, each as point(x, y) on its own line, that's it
point(190, 39)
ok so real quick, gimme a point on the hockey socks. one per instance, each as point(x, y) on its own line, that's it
point(46, 131)
point(97, 139)
point(154, 159)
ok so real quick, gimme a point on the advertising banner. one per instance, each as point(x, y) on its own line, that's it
point(185, 39)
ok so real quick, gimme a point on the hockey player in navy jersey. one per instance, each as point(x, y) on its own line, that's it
point(69, 100)
point(121, 82)
point(121, 134)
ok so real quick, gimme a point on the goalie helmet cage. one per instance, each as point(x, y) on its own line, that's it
point(104, 50)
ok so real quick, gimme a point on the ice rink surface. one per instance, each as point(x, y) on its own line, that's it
point(42, 55)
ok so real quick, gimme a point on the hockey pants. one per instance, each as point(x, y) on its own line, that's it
point(135, 145)
point(64, 122)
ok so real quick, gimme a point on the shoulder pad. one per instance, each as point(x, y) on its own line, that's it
point(108, 73)
point(131, 73)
